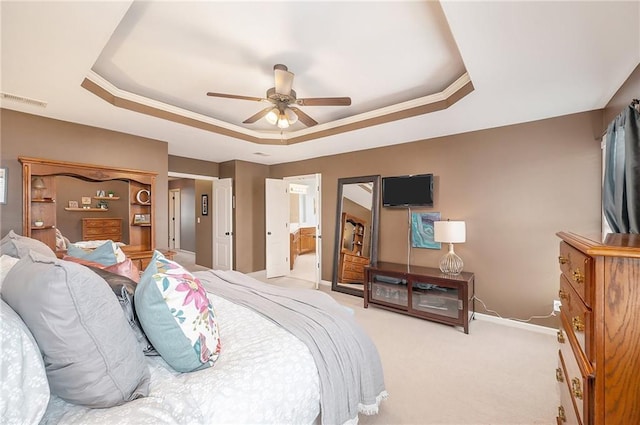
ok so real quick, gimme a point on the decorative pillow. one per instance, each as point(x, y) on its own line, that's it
point(23, 381)
point(83, 262)
point(103, 254)
point(6, 263)
point(124, 268)
point(124, 288)
point(61, 241)
point(19, 246)
point(177, 316)
point(90, 353)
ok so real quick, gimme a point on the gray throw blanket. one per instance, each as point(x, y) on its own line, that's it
point(349, 367)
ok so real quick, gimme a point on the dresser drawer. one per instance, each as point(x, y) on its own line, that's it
point(103, 222)
point(567, 414)
point(578, 372)
point(356, 259)
point(577, 268)
point(93, 231)
point(353, 275)
point(353, 267)
point(580, 318)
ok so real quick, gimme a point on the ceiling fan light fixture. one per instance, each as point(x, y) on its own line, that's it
point(283, 122)
point(291, 116)
point(272, 116)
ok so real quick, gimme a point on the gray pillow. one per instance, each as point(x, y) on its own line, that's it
point(90, 353)
point(19, 246)
point(124, 289)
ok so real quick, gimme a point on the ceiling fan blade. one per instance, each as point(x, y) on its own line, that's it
point(324, 101)
point(235, 96)
point(304, 118)
point(255, 117)
point(284, 80)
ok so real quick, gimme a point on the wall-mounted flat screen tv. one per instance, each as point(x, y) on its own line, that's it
point(408, 191)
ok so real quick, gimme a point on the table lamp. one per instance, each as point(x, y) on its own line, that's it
point(450, 232)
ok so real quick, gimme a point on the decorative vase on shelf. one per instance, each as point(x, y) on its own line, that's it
point(39, 223)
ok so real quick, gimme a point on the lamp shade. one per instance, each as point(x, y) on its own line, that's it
point(449, 231)
point(38, 183)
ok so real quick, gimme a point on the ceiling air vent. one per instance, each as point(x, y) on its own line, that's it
point(22, 99)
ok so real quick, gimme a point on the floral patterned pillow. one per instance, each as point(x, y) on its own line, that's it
point(177, 316)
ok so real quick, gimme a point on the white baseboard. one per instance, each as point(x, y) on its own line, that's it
point(516, 324)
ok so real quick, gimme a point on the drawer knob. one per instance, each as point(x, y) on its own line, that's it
point(561, 414)
point(576, 388)
point(563, 295)
point(578, 277)
point(563, 260)
point(578, 324)
point(559, 375)
point(560, 336)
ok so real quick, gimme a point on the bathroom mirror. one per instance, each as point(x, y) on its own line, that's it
point(356, 240)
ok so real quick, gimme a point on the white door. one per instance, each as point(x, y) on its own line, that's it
point(318, 230)
point(222, 224)
point(277, 227)
point(174, 219)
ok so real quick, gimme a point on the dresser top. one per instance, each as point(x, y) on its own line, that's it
point(614, 244)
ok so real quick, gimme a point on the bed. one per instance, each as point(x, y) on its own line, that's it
point(287, 356)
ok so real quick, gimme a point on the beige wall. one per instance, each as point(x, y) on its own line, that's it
point(179, 164)
point(30, 135)
point(204, 225)
point(514, 186)
point(249, 216)
point(630, 90)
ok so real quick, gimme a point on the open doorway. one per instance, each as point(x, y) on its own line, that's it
point(190, 232)
point(304, 226)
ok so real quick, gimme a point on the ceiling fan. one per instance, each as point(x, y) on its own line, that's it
point(282, 97)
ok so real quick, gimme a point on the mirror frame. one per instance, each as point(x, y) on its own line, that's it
point(375, 223)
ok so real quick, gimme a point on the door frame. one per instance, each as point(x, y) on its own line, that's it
point(175, 219)
point(317, 178)
point(194, 177)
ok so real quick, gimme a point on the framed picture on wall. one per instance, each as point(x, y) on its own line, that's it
point(205, 204)
point(73, 204)
point(422, 230)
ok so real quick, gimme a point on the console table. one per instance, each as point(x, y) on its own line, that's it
point(423, 292)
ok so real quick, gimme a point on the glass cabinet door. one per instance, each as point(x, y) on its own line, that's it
point(434, 299)
point(389, 289)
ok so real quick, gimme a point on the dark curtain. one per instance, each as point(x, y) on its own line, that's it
point(621, 185)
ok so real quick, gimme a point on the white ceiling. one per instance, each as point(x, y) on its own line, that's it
point(527, 61)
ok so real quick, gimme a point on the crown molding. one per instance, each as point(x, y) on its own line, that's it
point(102, 88)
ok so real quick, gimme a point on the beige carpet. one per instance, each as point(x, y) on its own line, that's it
point(436, 374)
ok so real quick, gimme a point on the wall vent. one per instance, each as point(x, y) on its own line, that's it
point(22, 99)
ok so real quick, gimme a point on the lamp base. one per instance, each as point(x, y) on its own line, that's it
point(450, 263)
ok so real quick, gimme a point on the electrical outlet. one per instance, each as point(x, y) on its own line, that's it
point(556, 305)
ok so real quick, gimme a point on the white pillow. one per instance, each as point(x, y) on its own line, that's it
point(24, 389)
point(6, 262)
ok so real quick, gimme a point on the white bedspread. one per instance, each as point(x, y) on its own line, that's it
point(264, 375)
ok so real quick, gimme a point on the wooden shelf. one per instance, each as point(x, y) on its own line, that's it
point(44, 200)
point(107, 198)
point(42, 227)
point(86, 209)
point(142, 205)
point(142, 224)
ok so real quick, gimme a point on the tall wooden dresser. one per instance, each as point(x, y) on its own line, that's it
point(599, 337)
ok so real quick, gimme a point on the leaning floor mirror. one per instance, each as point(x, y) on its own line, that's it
point(356, 239)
